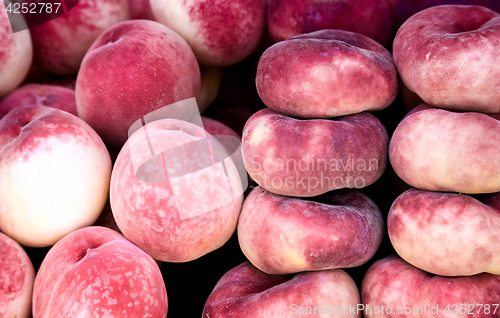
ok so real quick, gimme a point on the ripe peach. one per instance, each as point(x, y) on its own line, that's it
point(132, 69)
point(96, 272)
point(372, 18)
point(54, 175)
point(180, 201)
point(284, 235)
point(308, 157)
point(246, 292)
point(220, 32)
point(448, 55)
point(393, 288)
point(326, 74)
point(16, 53)
point(39, 95)
point(16, 279)
point(439, 150)
point(60, 44)
point(465, 228)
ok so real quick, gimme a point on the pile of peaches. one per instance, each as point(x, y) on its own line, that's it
point(254, 158)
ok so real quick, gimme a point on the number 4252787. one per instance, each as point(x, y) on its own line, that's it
point(33, 8)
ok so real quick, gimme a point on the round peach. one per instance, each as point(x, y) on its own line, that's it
point(220, 32)
point(466, 229)
point(16, 279)
point(305, 158)
point(372, 18)
point(16, 54)
point(326, 74)
point(246, 292)
point(284, 235)
point(60, 44)
point(96, 272)
point(448, 55)
point(39, 95)
point(132, 69)
point(439, 150)
point(54, 175)
point(180, 201)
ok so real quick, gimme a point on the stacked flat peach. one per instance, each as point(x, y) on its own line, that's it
point(315, 137)
point(449, 150)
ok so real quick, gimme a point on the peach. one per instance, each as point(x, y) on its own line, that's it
point(133, 68)
point(96, 272)
point(466, 229)
point(284, 235)
point(59, 45)
point(372, 18)
point(245, 291)
point(448, 55)
point(54, 175)
point(326, 74)
point(16, 279)
point(404, 9)
point(220, 32)
point(16, 54)
point(394, 288)
point(439, 150)
point(39, 95)
point(173, 194)
point(305, 158)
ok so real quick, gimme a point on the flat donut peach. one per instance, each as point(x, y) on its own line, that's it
point(246, 292)
point(325, 74)
point(439, 150)
point(308, 157)
point(450, 56)
point(393, 288)
point(466, 229)
point(284, 235)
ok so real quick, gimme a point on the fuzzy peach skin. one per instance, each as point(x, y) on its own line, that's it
point(449, 55)
point(284, 235)
point(246, 292)
point(220, 32)
point(54, 175)
point(39, 95)
point(305, 158)
point(466, 229)
point(184, 216)
point(132, 69)
point(60, 44)
point(96, 272)
point(404, 9)
point(372, 18)
point(439, 150)
point(16, 279)
point(326, 74)
point(393, 285)
point(16, 54)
